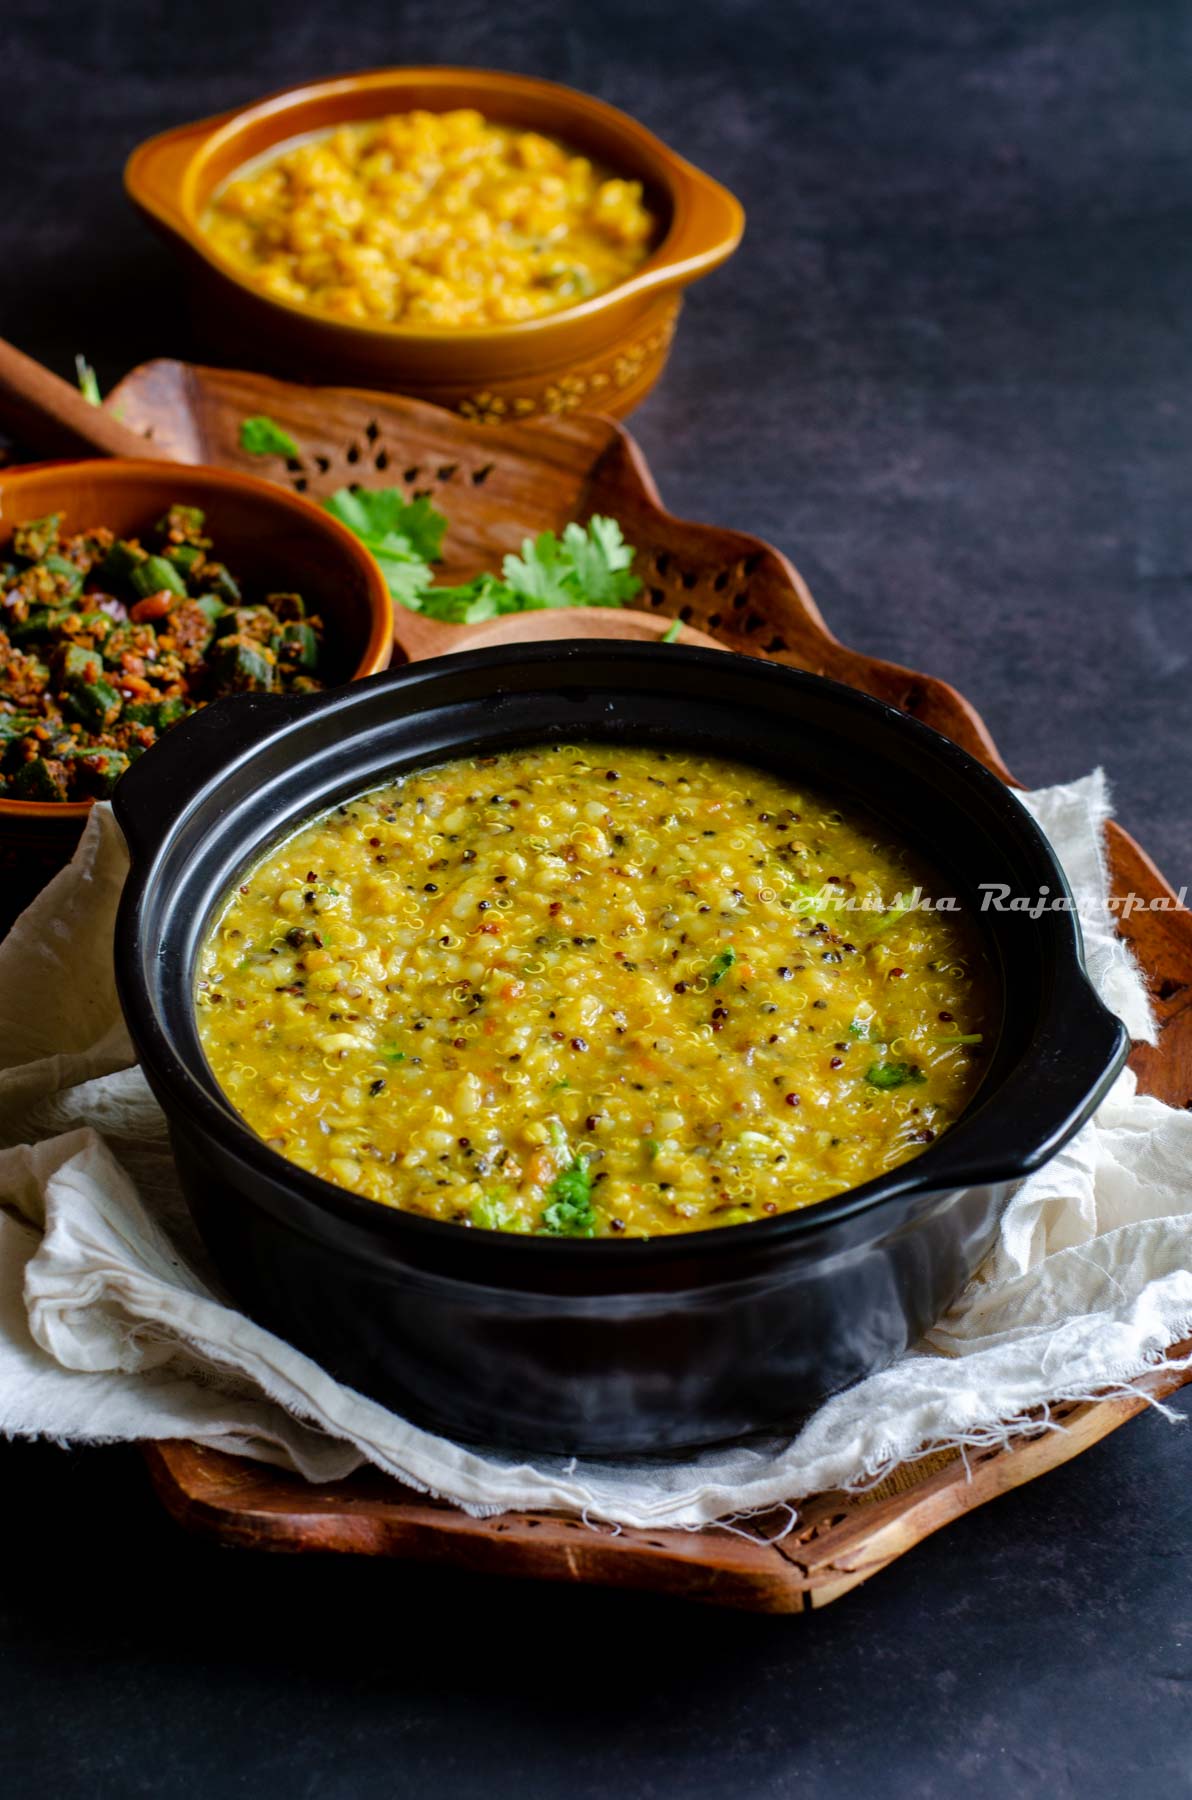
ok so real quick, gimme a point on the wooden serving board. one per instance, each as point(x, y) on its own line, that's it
point(495, 484)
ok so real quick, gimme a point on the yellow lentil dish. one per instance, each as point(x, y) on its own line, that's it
point(593, 993)
point(421, 218)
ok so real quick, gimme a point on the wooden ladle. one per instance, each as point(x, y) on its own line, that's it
point(52, 416)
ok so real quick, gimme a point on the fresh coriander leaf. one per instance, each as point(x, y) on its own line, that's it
point(88, 383)
point(403, 535)
point(406, 575)
point(262, 436)
point(493, 1213)
point(422, 526)
point(721, 965)
point(860, 1028)
point(393, 1056)
point(485, 598)
point(378, 514)
point(587, 567)
point(600, 561)
point(570, 1212)
point(539, 575)
point(670, 636)
point(893, 1075)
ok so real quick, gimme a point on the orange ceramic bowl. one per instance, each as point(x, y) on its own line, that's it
point(601, 355)
point(263, 532)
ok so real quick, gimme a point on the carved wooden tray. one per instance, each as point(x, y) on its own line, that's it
point(495, 483)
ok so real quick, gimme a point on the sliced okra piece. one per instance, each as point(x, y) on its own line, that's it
point(120, 561)
point(14, 726)
point(242, 665)
point(95, 705)
point(212, 605)
point(75, 667)
point(222, 582)
point(255, 622)
point(296, 646)
point(184, 557)
point(41, 622)
point(184, 525)
point(68, 578)
point(158, 714)
point(37, 538)
point(286, 607)
point(100, 770)
point(40, 779)
point(154, 576)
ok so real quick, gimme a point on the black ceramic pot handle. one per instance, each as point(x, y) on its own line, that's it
point(155, 792)
point(1076, 1057)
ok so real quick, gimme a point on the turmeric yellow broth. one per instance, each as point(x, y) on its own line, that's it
point(434, 219)
point(593, 992)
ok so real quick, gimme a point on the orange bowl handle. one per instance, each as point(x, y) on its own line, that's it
point(155, 173)
point(708, 225)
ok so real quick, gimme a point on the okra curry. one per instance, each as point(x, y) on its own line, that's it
point(105, 642)
point(594, 992)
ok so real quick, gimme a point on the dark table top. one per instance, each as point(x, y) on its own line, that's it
point(946, 373)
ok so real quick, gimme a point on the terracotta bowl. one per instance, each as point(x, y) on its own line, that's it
point(260, 530)
point(602, 355)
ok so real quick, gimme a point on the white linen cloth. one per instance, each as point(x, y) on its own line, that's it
point(112, 1325)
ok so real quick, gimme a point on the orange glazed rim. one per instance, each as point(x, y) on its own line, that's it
point(171, 176)
point(131, 472)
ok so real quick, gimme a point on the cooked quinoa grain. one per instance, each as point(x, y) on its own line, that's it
point(594, 994)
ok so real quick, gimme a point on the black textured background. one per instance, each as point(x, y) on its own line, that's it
point(948, 372)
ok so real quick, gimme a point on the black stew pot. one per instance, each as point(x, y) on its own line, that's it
point(597, 1347)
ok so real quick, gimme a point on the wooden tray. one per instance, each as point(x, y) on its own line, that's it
point(496, 483)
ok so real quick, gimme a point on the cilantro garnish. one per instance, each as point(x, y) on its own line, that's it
point(492, 1212)
point(570, 1212)
point(405, 536)
point(262, 436)
point(721, 965)
point(587, 566)
point(393, 1056)
point(893, 1075)
point(670, 635)
point(487, 597)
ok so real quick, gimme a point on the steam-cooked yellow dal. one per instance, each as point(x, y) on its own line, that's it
point(430, 219)
point(593, 992)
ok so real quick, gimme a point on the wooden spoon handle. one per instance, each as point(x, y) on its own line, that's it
point(52, 417)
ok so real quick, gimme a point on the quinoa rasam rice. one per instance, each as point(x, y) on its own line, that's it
point(593, 992)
